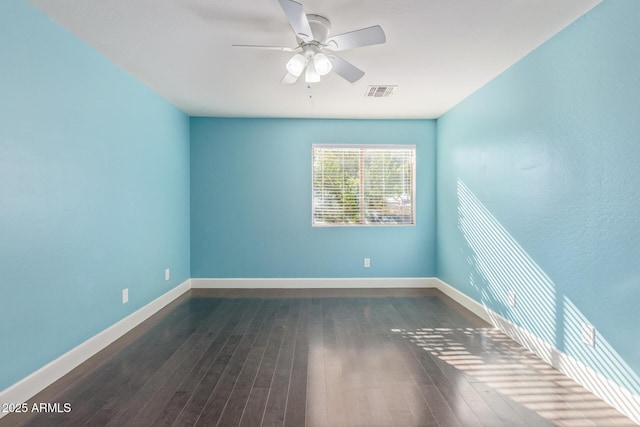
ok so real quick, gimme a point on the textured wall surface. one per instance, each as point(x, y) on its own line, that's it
point(538, 191)
point(94, 192)
point(251, 201)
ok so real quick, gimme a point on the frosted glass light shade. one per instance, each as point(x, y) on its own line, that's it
point(322, 63)
point(296, 64)
point(311, 74)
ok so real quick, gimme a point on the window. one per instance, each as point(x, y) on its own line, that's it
point(363, 185)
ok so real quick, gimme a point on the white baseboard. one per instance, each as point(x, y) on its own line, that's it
point(313, 283)
point(615, 395)
point(31, 385)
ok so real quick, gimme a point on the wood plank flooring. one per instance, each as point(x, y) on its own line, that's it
point(317, 358)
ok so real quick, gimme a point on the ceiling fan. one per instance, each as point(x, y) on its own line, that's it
point(312, 35)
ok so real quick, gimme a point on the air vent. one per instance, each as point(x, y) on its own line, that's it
point(380, 91)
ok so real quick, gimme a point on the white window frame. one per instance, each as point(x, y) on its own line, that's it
point(366, 147)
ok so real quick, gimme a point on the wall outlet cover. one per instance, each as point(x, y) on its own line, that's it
point(512, 299)
point(588, 335)
point(125, 296)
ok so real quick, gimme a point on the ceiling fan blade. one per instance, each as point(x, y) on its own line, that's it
point(297, 18)
point(289, 79)
point(345, 69)
point(358, 38)
point(253, 46)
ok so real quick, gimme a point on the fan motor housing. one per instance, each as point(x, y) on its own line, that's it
point(320, 27)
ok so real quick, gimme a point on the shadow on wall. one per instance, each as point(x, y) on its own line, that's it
point(500, 267)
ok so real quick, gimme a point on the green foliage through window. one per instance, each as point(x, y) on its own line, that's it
point(363, 185)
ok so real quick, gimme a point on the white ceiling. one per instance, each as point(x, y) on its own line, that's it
point(438, 52)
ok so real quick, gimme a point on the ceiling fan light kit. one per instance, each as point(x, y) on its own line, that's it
point(312, 35)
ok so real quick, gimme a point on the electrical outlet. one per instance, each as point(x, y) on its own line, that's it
point(125, 296)
point(588, 335)
point(512, 299)
point(367, 262)
point(167, 274)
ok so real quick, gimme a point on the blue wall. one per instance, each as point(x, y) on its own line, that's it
point(251, 201)
point(94, 192)
point(536, 194)
point(538, 191)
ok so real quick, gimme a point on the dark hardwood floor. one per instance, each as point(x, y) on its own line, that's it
point(317, 358)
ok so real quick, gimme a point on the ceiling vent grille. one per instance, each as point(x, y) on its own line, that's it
point(380, 91)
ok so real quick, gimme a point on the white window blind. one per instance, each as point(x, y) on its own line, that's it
point(363, 185)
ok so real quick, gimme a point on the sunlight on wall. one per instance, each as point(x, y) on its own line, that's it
point(503, 266)
point(499, 265)
point(603, 358)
